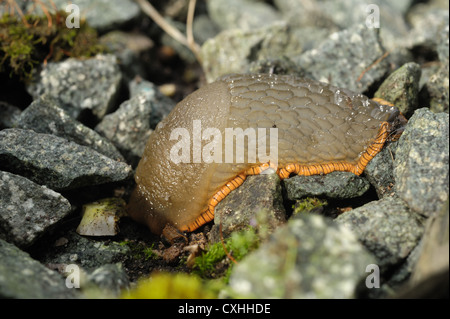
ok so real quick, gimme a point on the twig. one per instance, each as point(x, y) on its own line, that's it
point(372, 65)
point(13, 5)
point(169, 29)
point(189, 23)
point(46, 12)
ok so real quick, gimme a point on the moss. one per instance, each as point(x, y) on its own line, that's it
point(308, 205)
point(171, 286)
point(24, 46)
point(140, 251)
point(214, 261)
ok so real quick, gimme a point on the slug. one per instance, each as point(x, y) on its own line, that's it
point(188, 165)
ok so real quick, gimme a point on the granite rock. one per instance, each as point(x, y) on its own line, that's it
point(55, 162)
point(28, 210)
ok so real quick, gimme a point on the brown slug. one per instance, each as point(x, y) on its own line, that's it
point(319, 128)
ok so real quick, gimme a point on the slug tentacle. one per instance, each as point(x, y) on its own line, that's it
point(318, 129)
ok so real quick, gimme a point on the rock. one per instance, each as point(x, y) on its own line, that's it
point(334, 185)
point(430, 275)
point(22, 277)
point(9, 114)
point(204, 28)
point(130, 126)
point(89, 254)
point(346, 59)
point(80, 85)
point(438, 84)
point(380, 171)
point(421, 166)
point(257, 202)
point(101, 218)
point(401, 88)
point(232, 51)
point(110, 279)
point(102, 15)
point(131, 50)
point(45, 116)
point(333, 16)
point(55, 162)
point(28, 210)
point(387, 228)
point(443, 43)
point(426, 20)
point(282, 65)
point(311, 257)
point(438, 89)
point(242, 14)
point(161, 104)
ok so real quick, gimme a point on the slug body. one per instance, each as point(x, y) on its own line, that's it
point(320, 128)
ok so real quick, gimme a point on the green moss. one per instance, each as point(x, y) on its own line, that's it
point(24, 46)
point(308, 205)
point(214, 261)
point(140, 251)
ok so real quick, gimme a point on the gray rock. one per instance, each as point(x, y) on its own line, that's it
point(401, 88)
point(241, 14)
point(111, 279)
point(80, 85)
point(443, 43)
point(438, 89)
point(233, 50)
point(437, 85)
point(387, 227)
point(131, 49)
point(334, 185)
point(257, 202)
point(426, 21)
point(161, 105)
point(89, 254)
point(28, 210)
point(338, 15)
point(9, 114)
point(344, 58)
point(45, 116)
point(380, 171)
point(100, 14)
point(204, 28)
point(311, 257)
point(422, 162)
point(22, 277)
point(130, 126)
point(281, 65)
point(55, 162)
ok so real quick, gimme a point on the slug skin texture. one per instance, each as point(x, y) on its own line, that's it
point(320, 128)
